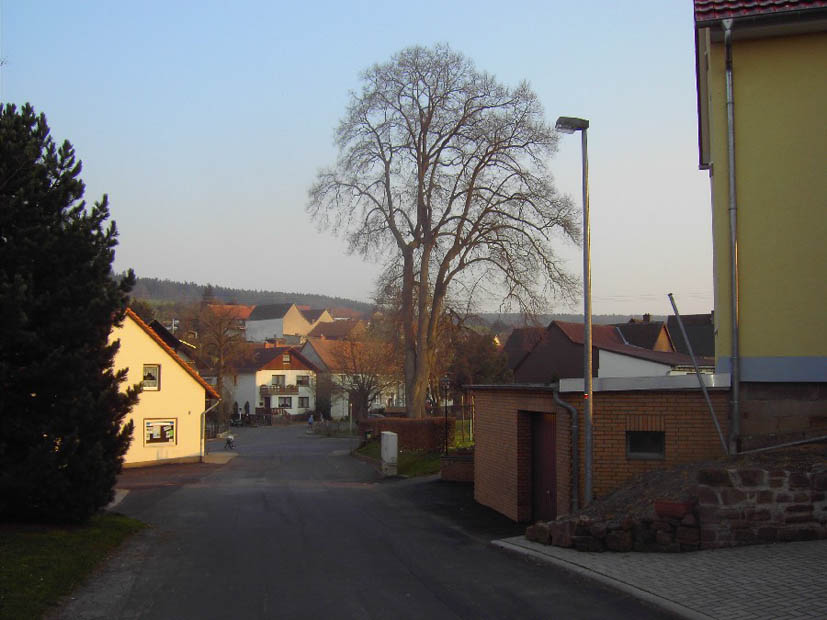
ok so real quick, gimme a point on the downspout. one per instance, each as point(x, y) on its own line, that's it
point(204, 428)
point(575, 443)
point(735, 422)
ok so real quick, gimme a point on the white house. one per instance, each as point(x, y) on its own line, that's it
point(275, 380)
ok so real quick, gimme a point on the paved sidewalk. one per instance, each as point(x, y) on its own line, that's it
point(761, 581)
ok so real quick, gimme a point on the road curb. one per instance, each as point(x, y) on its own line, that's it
point(519, 545)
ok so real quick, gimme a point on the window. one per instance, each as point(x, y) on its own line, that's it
point(159, 431)
point(304, 402)
point(303, 380)
point(286, 359)
point(285, 402)
point(646, 445)
point(151, 377)
point(277, 380)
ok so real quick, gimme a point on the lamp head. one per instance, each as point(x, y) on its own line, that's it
point(570, 124)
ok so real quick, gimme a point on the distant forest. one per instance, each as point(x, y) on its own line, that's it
point(162, 292)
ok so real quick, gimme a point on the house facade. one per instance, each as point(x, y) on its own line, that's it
point(762, 138)
point(268, 321)
point(169, 415)
point(558, 354)
point(340, 361)
point(275, 380)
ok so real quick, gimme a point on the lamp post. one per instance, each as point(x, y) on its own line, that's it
point(446, 383)
point(568, 124)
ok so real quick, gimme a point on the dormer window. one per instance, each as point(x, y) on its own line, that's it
point(151, 377)
point(286, 358)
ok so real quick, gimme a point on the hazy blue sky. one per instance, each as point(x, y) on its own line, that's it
point(206, 122)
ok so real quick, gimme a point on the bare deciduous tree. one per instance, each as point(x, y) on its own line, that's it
point(444, 170)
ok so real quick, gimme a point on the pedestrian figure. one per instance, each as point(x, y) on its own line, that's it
point(310, 423)
point(230, 443)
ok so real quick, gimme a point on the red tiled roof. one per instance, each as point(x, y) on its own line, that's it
point(716, 10)
point(151, 333)
point(606, 337)
point(521, 341)
point(336, 330)
point(235, 311)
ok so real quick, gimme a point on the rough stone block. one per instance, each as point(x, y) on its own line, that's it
point(674, 547)
point(819, 481)
point(587, 543)
point(765, 497)
point(672, 509)
point(531, 533)
point(744, 535)
point(619, 540)
point(643, 534)
point(802, 497)
point(709, 535)
point(730, 497)
point(753, 477)
point(714, 477)
point(562, 533)
point(598, 530)
point(543, 532)
point(783, 498)
point(804, 518)
point(663, 538)
point(799, 480)
point(688, 535)
point(778, 483)
point(690, 547)
point(798, 508)
point(768, 534)
point(707, 495)
point(758, 515)
point(583, 527)
point(689, 520)
point(819, 497)
point(662, 526)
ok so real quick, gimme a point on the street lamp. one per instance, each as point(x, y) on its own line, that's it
point(568, 124)
point(446, 384)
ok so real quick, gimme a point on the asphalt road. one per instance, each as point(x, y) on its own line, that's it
point(294, 527)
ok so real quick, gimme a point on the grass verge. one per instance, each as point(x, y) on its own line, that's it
point(39, 564)
point(411, 462)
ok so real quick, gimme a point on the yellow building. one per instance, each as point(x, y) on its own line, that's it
point(169, 414)
point(762, 97)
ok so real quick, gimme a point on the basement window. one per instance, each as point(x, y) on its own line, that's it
point(646, 445)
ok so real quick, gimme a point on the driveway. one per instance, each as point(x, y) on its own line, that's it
point(294, 527)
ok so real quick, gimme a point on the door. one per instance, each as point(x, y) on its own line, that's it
point(544, 467)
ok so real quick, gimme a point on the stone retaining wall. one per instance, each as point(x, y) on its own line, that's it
point(744, 506)
point(731, 507)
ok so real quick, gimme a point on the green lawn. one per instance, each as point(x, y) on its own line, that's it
point(39, 563)
point(411, 462)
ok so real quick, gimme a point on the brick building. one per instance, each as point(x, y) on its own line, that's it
point(523, 464)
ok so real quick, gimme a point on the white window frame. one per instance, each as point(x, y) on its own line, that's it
point(151, 388)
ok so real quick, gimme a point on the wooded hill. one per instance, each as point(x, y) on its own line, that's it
point(160, 292)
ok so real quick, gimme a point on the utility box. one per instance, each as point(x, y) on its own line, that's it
point(390, 453)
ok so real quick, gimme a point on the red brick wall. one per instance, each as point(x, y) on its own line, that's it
point(413, 434)
point(502, 471)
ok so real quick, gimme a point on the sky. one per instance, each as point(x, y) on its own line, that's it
point(207, 122)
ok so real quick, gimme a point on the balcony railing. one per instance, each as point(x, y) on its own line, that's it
point(278, 390)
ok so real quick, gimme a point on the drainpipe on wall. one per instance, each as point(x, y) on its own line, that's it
point(735, 361)
point(575, 457)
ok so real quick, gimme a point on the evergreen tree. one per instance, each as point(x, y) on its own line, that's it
point(62, 437)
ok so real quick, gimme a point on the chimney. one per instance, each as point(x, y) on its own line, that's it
point(647, 317)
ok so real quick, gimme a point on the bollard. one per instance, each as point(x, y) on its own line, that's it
point(390, 453)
